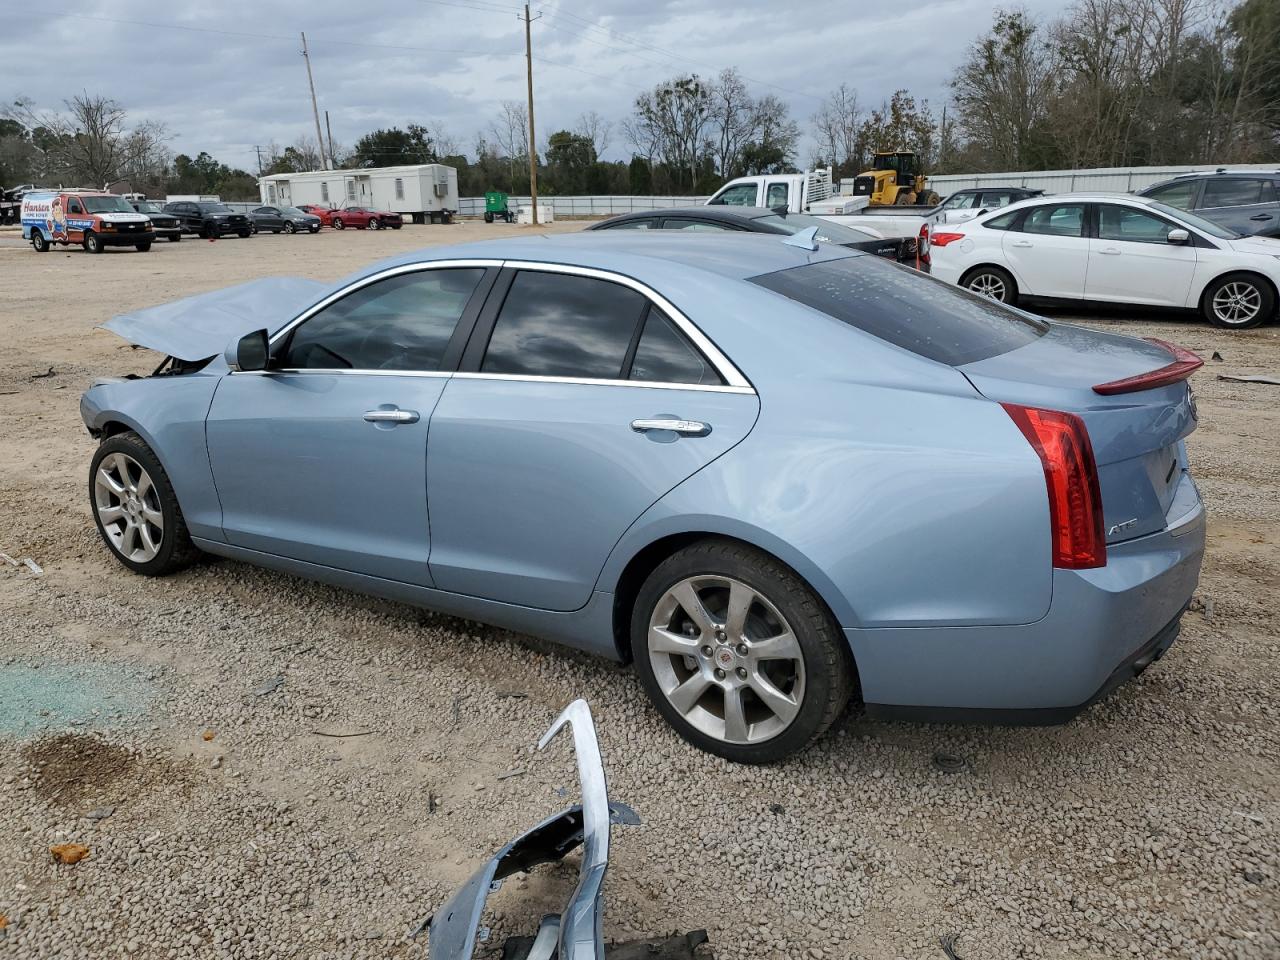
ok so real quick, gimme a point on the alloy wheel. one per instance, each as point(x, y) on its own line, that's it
point(988, 285)
point(726, 659)
point(128, 506)
point(1237, 302)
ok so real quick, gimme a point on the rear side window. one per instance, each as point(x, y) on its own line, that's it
point(1231, 192)
point(1003, 222)
point(926, 316)
point(664, 355)
point(560, 325)
point(629, 225)
point(696, 226)
point(1062, 220)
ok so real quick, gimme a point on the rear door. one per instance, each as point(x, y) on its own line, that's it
point(583, 398)
point(1132, 261)
point(1048, 251)
point(1244, 204)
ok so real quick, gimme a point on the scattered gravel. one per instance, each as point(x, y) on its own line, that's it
point(329, 814)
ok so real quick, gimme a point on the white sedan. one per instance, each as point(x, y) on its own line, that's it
point(1115, 248)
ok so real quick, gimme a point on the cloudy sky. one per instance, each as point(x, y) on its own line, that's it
point(226, 75)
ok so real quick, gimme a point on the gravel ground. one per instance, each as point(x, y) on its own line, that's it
point(225, 819)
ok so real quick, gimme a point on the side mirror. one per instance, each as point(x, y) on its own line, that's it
point(1178, 236)
point(250, 352)
point(984, 210)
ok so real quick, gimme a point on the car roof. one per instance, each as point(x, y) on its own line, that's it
point(734, 255)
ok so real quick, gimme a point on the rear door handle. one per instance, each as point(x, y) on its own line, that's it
point(1021, 243)
point(391, 416)
point(1261, 216)
point(1110, 251)
point(686, 428)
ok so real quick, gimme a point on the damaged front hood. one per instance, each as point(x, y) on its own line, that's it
point(199, 327)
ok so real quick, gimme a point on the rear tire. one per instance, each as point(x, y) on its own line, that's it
point(994, 282)
point(735, 701)
point(39, 242)
point(136, 510)
point(245, 234)
point(92, 242)
point(488, 217)
point(1238, 301)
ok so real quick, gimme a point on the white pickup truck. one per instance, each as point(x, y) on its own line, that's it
point(812, 193)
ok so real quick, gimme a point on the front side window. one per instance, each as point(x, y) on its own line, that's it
point(400, 323)
point(697, 226)
point(777, 196)
point(629, 225)
point(561, 325)
point(74, 206)
point(742, 195)
point(1057, 220)
point(1125, 223)
point(664, 355)
point(1181, 194)
point(906, 308)
point(1231, 192)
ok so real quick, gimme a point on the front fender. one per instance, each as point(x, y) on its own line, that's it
point(169, 414)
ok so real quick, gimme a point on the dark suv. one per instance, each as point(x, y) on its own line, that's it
point(208, 219)
point(1246, 201)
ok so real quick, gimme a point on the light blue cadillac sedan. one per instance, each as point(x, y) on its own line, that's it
point(776, 477)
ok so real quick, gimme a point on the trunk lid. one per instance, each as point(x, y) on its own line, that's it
point(1136, 436)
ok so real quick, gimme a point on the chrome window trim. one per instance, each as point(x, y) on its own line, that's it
point(345, 372)
point(729, 373)
point(735, 382)
point(593, 382)
point(403, 268)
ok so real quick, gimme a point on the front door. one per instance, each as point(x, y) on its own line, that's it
point(323, 458)
point(1132, 261)
point(1049, 251)
point(584, 406)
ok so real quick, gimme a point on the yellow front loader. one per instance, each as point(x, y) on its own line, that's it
point(895, 180)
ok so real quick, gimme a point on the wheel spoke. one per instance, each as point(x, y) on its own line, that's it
point(735, 717)
point(144, 485)
point(735, 619)
point(686, 696)
point(782, 647)
point(110, 514)
point(153, 517)
point(122, 468)
point(128, 539)
point(692, 604)
point(149, 545)
point(662, 640)
point(782, 706)
point(111, 483)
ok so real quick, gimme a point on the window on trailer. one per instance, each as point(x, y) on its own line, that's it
point(399, 189)
point(351, 189)
point(324, 192)
point(271, 193)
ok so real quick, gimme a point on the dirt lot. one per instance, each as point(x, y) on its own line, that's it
point(1149, 827)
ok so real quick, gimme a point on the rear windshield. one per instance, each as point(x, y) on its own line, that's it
point(828, 231)
point(214, 208)
point(908, 309)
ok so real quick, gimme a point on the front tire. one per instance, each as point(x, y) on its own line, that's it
point(375, 223)
point(135, 508)
point(338, 224)
point(738, 653)
point(1238, 301)
point(245, 234)
point(253, 228)
point(143, 247)
point(175, 237)
point(290, 228)
point(993, 282)
point(93, 242)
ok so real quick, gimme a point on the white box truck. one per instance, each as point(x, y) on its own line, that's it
point(426, 192)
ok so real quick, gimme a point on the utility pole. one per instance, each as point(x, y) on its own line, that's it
point(314, 108)
point(329, 130)
point(258, 151)
point(533, 139)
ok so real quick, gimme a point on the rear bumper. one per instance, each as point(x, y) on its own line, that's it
point(1104, 626)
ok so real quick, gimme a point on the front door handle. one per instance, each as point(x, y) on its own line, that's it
point(1261, 216)
point(391, 416)
point(1020, 243)
point(1110, 251)
point(686, 428)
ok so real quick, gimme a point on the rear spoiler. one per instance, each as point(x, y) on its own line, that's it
point(1184, 364)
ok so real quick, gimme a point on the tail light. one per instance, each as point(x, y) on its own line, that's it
point(942, 239)
point(1061, 442)
point(1185, 363)
point(922, 246)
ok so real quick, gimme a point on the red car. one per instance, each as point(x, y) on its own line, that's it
point(362, 217)
point(324, 213)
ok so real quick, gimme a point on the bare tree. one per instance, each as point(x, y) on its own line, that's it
point(673, 121)
point(86, 142)
point(836, 126)
point(736, 119)
point(511, 133)
point(596, 129)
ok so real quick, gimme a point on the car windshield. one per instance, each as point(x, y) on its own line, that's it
point(106, 205)
point(908, 309)
point(147, 207)
point(214, 208)
point(294, 212)
point(1200, 223)
point(828, 231)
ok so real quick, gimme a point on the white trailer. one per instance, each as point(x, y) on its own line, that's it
point(425, 192)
